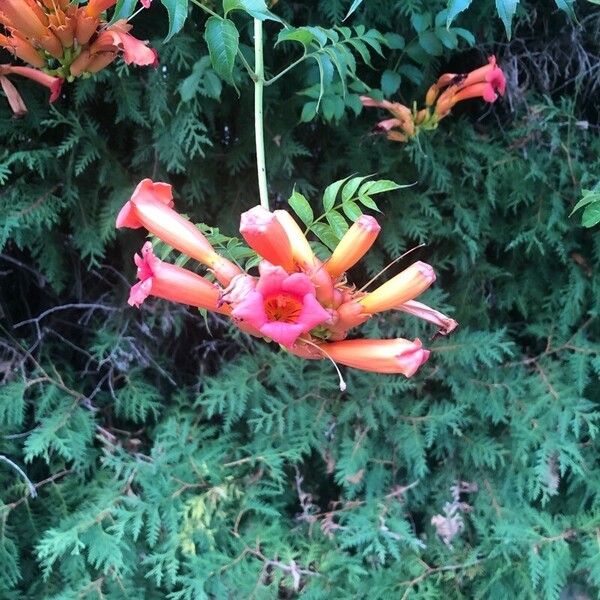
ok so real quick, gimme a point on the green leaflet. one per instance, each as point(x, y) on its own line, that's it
point(222, 39)
point(177, 11)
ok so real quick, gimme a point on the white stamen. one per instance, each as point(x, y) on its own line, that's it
point(388, 266)
point(342, 382)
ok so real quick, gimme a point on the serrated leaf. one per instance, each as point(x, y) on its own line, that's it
point(431, 43)
point(123, 10)
point(300, 34)
point(394, 41)
point(414, 74)
point(355, 4)
point(589, 196)
point(309, 111)
point(454, 8)
point(591, 215)
point(421, 22)
point(378, 187)
point(337, 222)
point(506, 11)
point(368, 202)
point(301, 207)
point(350, 188)
point(222, 39)
point(255, 8)
point(331, 192)
point(568, 7)
point(352, 210)
point(390, 82)
point(325, 234)
point(177, 11)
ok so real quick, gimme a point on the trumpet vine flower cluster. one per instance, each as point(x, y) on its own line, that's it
point(304, 304)
point(61, 40)
point(487, 82)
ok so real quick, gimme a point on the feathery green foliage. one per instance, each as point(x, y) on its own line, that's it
point(173, 457)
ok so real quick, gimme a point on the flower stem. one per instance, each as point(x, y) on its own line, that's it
point(259, 83)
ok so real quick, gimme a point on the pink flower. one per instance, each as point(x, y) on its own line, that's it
point(282, 306)
point(163, 280)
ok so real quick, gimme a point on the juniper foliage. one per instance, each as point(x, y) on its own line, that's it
point(172, 457)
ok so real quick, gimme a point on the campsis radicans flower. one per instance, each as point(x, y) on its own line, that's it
point(304, 304)
point(487, 82)
point(15, 101)
point(63, 40)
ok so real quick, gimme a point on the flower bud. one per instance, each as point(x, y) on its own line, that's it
point(164, 280)
point(301, 250)
point(355, 243)
point(267, 237)
point(405, 286)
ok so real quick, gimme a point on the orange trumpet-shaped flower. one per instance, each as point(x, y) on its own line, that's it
point(86, 27)
point(380, 356)
point(163, 280)
point(12, 95)
point(68, 39)
point(403, 119)
point(304, 305)
point(117, 38)
point(487, 82)
point(54, 84)
point(14, 98)
point(150, 206)
point(418, 309)
point(267, 237)
point(301, 250)
point(405, 286)
point(28, 20)
point(355, 243)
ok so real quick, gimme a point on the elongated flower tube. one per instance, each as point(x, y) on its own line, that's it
point(355, 243)
point(405, 286)
point(54, 84)
point(490, 74)
point(14, 98)
point(163, 280)
point(150, 206)
point(267, 237)
point(29, 20)
point(12, 95)
point(380, 356)
point(418, 309)
point(301, 250)
point(282, 307)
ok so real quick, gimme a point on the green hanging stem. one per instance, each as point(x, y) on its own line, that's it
point(259, 83)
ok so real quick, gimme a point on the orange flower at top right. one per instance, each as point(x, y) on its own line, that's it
point(487, 82)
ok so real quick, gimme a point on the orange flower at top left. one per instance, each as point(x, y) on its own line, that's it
point(61, 41)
